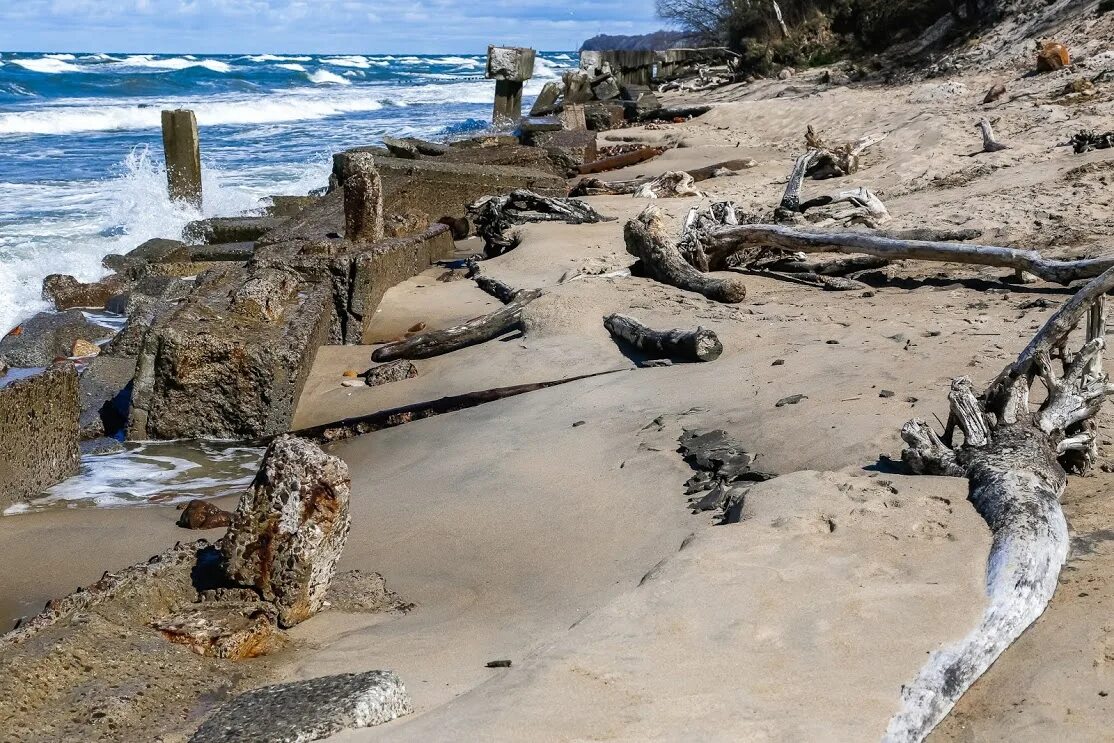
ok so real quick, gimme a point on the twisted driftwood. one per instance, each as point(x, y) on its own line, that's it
point(1013, 458)
point(689, 345)
point(477, 330)
point(718, 245)
point(647, 239)
point(494, 216)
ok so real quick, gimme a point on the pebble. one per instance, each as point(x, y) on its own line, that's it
point(351, 373)
point(778, 362)
point(498, 664)
point(353, 383)
point(886, 393)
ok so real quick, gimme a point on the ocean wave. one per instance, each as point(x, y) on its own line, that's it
point(293, 66)
point(461, 61)
point(324, 77)
point(350, 60)
point(63, 57)
point(275, 58)
point(174, 63)
point(46, 65)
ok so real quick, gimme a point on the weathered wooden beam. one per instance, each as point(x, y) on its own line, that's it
point(182, 151)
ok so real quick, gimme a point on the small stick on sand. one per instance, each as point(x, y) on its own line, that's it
point(990, 143)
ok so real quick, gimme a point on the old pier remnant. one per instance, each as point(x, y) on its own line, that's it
point(38, 430)
point(509, 67)
point(182, 150)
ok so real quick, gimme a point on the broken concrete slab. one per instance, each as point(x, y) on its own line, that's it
point(38, 430)
point(308, 710)
point(209, 367)
point(66, 292)
point(230, 630)
point(290, 527)
point(48, 336)
point(229, 229)
point(384, 265)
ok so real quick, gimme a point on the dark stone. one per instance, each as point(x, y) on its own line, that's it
point(48, 336)
point(229, 229)
point(105, 392)
point(66, 292)
point(308, 710)
point(498, 664)
point(392, 371)
point(160, 250)
point(38, 431)
point(886, 393)
point(201, 514)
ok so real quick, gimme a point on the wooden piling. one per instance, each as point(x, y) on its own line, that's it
point(182, 150)
point(509, 67)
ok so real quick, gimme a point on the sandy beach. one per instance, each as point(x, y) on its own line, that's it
point(552, 528)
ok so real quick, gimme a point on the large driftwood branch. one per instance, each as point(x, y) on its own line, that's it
point(720, 244)
point(688, 345)
point(1013, 458)
point(647, 238)
point(477, 330)
point(494, 216)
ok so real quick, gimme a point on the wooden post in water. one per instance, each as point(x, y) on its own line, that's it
point(509, 67)
point(182, 150)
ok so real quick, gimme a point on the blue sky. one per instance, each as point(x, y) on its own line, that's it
point(313, 26)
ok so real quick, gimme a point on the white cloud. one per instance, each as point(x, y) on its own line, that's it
point(326, 26)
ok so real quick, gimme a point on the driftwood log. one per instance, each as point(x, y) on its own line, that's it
point(687, 345)
point(477, 330)
point(1013, 458)
point(721, 243)
point(597, 187)
point(502, 291)
point(647, 238)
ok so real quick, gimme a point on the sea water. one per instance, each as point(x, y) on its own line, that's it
point(81, 176)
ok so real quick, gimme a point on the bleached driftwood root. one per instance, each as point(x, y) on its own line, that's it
point(722, 243)
point(671, 184)
point(838, 161)
point(990, 143)
point(477, 330)
point(688, 345)
point(647, 238)
point(1013, 458)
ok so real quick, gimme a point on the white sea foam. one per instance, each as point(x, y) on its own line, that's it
point(292, 66)
point(174, 63)
point(63, 57)
point(460, 61)
point(46, 66)
point(324, 77)
point(276, 58)
point(69, 227)
point(350, 60)
point(154, 472)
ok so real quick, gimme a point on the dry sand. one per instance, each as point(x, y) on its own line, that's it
point(568, 549)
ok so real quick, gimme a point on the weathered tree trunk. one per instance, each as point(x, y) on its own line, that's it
point(1012, 457)
point(720, 244)
point(689, 345)
point(478, 330)
point(620, 161)
point(648, 240)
